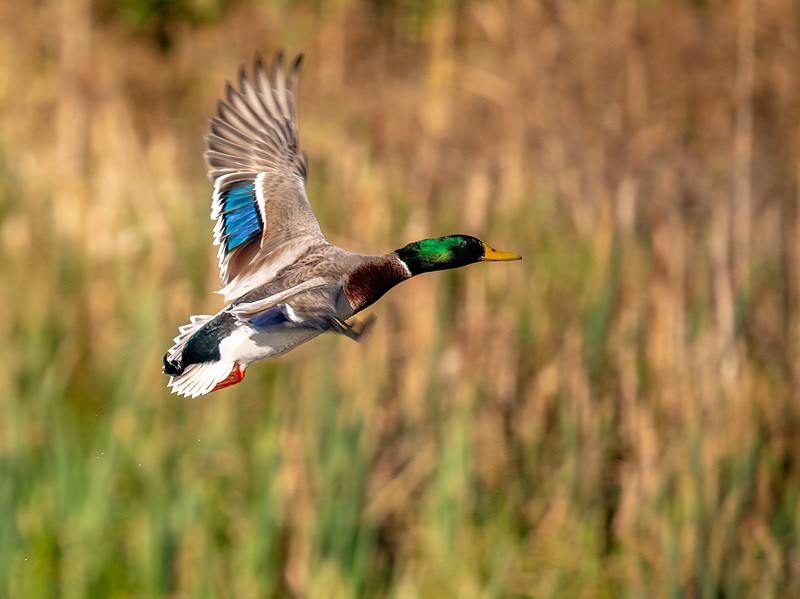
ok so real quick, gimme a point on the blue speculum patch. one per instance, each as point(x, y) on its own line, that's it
point(273, 316)
point(242, 221)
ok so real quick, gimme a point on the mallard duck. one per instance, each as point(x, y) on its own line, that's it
point(283, 283)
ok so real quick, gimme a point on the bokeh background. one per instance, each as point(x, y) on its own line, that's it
point(615, 416)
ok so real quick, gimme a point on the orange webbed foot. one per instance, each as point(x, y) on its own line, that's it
point(236, 375)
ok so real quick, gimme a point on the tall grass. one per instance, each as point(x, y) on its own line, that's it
point(615, 416)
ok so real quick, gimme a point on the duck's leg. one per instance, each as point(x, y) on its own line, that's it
point(236, 375)
point(359, 331)
point(356, 331)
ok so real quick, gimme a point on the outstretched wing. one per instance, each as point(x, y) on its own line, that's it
point(260, 203)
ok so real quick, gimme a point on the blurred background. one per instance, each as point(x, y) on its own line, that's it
point(615, 416)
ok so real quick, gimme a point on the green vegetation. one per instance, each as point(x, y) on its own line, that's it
point(615, 416)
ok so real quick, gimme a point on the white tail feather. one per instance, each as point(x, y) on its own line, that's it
point(199, 379)
point(196, 379)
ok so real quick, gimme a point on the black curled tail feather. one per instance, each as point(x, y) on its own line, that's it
point(175, 362)
point(173, 367)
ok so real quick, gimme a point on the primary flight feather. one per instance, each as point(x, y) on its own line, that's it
point(284, 283)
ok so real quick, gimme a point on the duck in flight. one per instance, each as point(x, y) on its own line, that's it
point(283, 283)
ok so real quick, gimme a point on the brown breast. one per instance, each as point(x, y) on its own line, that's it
point(369, 281)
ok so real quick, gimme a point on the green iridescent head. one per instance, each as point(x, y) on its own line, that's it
point(453, 251)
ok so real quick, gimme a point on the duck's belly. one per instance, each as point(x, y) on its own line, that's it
point(247, 348)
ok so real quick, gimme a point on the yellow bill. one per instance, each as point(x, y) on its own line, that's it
point(492, 255)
